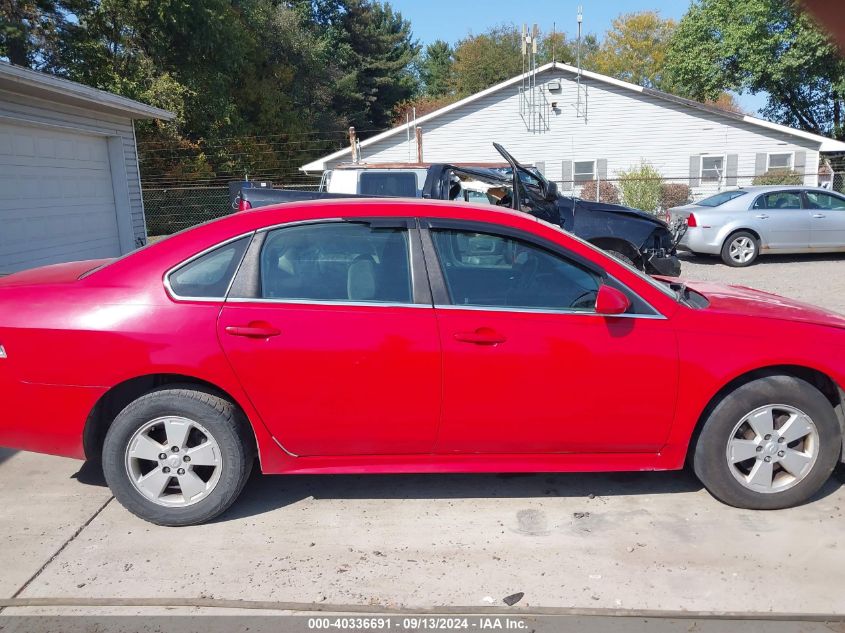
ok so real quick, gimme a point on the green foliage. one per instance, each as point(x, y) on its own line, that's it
point(484, 60)
point(559, 47)
point(641, 187)
point(779, 177)
point(634, 48)
point(674, 194)
point(435, 69)
point(768, 46)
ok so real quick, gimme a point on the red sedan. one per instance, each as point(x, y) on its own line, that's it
point(404, 336)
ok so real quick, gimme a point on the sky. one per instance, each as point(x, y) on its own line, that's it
point(452, 20)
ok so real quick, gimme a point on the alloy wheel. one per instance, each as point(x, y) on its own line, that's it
point(742, 249)
point(173, 461)
point(773, 448)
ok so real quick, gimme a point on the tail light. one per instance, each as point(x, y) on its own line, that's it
point(691, 221)
point(243, 205)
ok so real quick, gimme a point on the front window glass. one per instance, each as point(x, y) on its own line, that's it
point(712, 168)
point(720, 198)
point(209, 276)
point(818, 200)
point(487, 270)
point(779, 200)
point(337, 261)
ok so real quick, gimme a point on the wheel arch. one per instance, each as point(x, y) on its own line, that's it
point(731, 231)
point(819, 379)
point(618, 244)
point(113, 401)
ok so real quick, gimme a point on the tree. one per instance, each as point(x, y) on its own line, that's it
point(375, 51)
point(559, 47)
point(634, 48)
point(31, 29)
point(768, 46)
point(435, 69)
point(487, 59)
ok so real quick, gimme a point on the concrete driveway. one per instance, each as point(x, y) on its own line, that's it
point(630, 541)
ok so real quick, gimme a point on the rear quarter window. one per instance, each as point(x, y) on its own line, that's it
point(209, 275)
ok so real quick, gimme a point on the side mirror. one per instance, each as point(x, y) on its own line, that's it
point(611, 301)
point(551, 191)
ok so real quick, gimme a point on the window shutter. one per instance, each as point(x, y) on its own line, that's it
point(694, 171)
point(566, 174)
point(730, 170)
point(541, 166)
point(601, 168)
point(760, 164)
point(800, 164)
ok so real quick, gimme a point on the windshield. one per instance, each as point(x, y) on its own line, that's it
point(720, 198)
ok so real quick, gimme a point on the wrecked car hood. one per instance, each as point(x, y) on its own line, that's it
point(586, 205)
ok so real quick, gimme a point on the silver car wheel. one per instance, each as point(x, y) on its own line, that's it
point(742, 249)
point(773, 448)
point(173, 461)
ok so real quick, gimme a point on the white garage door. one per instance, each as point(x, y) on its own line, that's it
point(56, 197)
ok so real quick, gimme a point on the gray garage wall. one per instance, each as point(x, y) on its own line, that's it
point(15, 107)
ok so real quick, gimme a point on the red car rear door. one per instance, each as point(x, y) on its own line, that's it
point(330, 328)
point(528, 366)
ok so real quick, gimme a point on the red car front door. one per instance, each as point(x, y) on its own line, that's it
point(330, 343)
point(528, 367)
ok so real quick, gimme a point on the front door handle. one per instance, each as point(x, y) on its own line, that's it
point(481, 336)
point(253, 330)
point(818, 215)
point(763, 216)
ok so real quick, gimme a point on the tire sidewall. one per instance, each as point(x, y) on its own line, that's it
point(234, 459)
point(709, 457)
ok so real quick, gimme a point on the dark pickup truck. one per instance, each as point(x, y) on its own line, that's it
point(634, 236)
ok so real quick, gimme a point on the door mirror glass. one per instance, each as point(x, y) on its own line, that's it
point(611, 301)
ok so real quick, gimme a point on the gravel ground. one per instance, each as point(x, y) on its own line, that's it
point(816, 279)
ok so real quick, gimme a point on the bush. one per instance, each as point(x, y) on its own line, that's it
point(674, 194)
point(608, 192)
point(641, 187)
point(779, 177)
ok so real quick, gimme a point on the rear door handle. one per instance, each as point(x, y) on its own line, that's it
point(763, 216)
point(253, 330)
point(818, 215)
point(481, 336)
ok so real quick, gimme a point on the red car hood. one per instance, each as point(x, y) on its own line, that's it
point(757, 303)
point(54, 274)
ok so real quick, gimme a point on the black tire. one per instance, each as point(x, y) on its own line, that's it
point(622, 256)
point(710, 461)
point(745, 239)
point(218, 416)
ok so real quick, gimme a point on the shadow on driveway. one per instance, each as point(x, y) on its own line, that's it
point(6, 453)
point(264, 493)
point(715, 260)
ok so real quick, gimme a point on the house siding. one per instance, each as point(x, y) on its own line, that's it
point(25, 108)
point(622, 126)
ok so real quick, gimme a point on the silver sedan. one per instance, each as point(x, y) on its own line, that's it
point(741, 224)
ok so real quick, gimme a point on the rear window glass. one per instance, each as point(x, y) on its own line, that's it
point(209, 276)
point(720, 198)
point(403, 185)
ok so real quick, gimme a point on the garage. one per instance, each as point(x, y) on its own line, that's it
point(69, 181)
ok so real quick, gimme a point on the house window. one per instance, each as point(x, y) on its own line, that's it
point(712, 168)
point(584, 170)
point(780, 161)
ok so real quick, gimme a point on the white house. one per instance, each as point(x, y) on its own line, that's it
point(576, 129)
point(69, 181)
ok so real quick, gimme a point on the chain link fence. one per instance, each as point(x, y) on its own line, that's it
point(172, 209)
